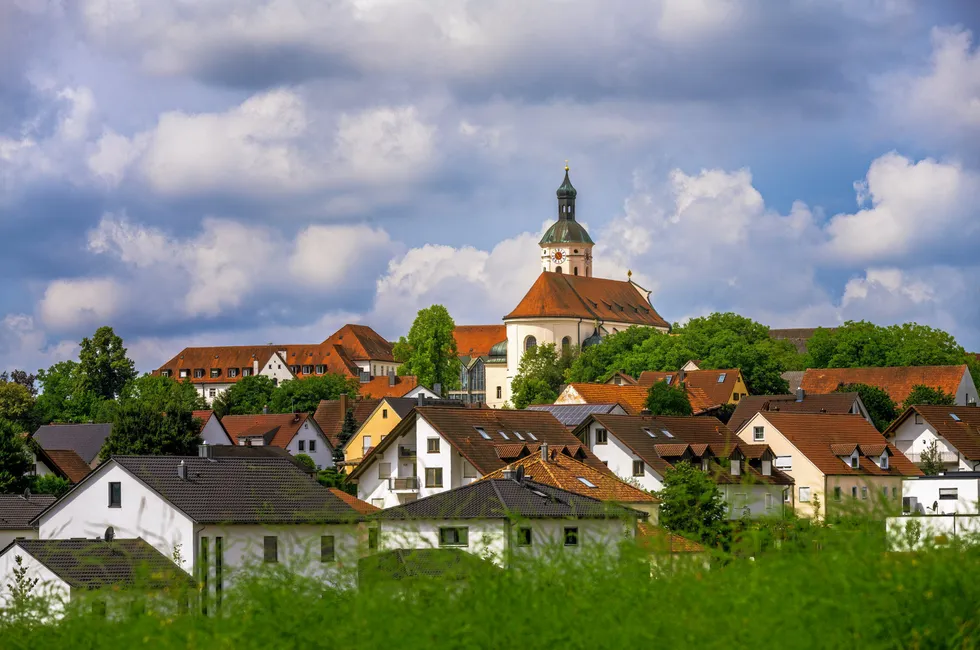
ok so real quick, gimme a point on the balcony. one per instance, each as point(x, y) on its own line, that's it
point(408, 484)
point(944, 457)
point(406, 452)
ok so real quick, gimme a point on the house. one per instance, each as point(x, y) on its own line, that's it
point(394, 386)
point(385, 416)
point(482, 349)
point(800, 402)
point(632, 398)
point(837, 461)
point(507, 518)
point(619, 378)
point(897, 381)
point(85, 440)
point(355, 351)
point(954, 429)
point(212, 431)
point(435, 449)
point(297, 433)
point(937, 510)
point(669, 551)
point(572, 415)
point(330, 414)
point(725, 386)
point(561, 471)
point(16, 514)
point(641, 449)
point(215, 516)
point(66, 569)
point(63, 463)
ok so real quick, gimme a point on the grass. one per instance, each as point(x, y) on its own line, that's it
point(823, 588)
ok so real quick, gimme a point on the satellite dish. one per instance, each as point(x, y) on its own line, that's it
point(27, 493)
point(110, 534)
point(520, 473)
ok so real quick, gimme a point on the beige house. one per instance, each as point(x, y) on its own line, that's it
point(722, 386)
point(838, 462)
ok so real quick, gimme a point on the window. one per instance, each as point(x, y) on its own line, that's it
point(483, 434)
point(246, 372)
point(433, 477)
point(884, 461)
point(320, 369)
point(232, 372)
point(432, 445)
point(524, 536)
point(735, 396)
point(532, 436)
point(302, 445)
point(566, 343)
point(571, 536)
point(468, 470)
point(784, 463)
point(212, 392)
point(529, 343)
point(638, 468)
point(307, 370)
point(667, 433)
point(503, 435)
point(372, 539)
point(384, 470)
point(312, 446)
point(115, 494)
point(601, 437)
point(215, 372)
point(327, 553)
point(837, 494)
point(864, 493)
point(378, 503)
point(768, 500)
point(454, 536)
point(758, 434)
point(854, 492)
point(500, 392)
point(894, 493)
point(586, 482)
point(804, 495)
point(649, 433)
point(270, 544)
point(183, 374)
point(954, 417)
point(517, 434)
point(384, 414)
point(365, 444)
point(855, 461)
point(198, 373)
point(918, 419)
point(721, 377)
point(294, 369)
point(669, 379)
point(166, 373)
point(948, 494)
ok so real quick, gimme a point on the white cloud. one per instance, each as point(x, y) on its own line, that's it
point(324, 255)
point(24, 345)
point(69, 304)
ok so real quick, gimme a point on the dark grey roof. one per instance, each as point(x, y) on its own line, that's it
point(505, 498)
point(84, 439)
point(572, 415)
point(400, 564)
point(16, 512)
point(240, 490)
point(94, 563)
point(259, 451)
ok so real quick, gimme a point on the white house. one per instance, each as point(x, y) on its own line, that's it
point(799, 402)
point(953, 429)
point(212, 431)
point(435, 449)
point(16, 514)
point(642, 448)
point(217, 515)
point(297, 433)
point(937, 509)
point(499, 519)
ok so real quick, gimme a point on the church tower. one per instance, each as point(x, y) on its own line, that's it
point(566, 247)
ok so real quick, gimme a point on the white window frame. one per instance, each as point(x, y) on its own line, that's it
point(384, 470)
point(601, 436)
point(948, 494)
point(365, 444)
point(805, 494)
point(758, 434)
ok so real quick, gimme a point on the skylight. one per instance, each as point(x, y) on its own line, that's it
point(519, 436)
point(721, 377)
point(503, 435)
point(669, 379)
point(667, 433)
point(586, 482)
point(955, 417)
point(540, 493)
point(650, 433)
point(531, 436)
point(483, 434)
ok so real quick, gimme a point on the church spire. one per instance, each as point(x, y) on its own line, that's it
point(566, 198)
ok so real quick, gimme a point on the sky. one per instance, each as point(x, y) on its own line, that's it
point(208, 172)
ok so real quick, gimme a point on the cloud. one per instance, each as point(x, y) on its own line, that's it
point(84, 302)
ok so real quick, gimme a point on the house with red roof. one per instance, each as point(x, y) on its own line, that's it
point(898, 381)
point(297, 433)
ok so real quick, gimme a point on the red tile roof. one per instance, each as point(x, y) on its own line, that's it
point(658, 540)
point(330, 415)
point(560, 295)
point(964, 434)
point(66, 462)
point(707, 380)
point(282, 426)
point(361, 343)
point(832, 403)
point(565, 473)
point(632, 398)
point(381, 387)
point(896, 381)
point(476, 340)
point(819, 437)
point(362, 507)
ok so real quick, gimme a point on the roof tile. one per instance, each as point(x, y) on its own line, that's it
point(896, 381)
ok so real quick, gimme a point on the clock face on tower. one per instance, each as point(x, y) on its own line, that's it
point(558, 256)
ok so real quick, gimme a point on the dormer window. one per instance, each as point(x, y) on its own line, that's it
point(246, 372)
point(215, 372)
point(184, 374)
point(198, 373)
point(736, 467)
point(320, 369)
point(307, 370)
point(166, 373)
point(883, 462)
point(855, 461)
point(232, 372)
point(294, 369)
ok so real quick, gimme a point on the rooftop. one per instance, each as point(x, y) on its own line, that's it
point(478, 340)
point(17, 511)
point(717, 385)
point(960, 425)
point(86, 440)
point(277, 429)
point(896, 381)
point(832, 403)
point(572, 415)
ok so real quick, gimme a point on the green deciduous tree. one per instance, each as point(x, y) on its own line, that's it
point(163, 393)
point(15, 459)
point(49, 484)
point(921, 394)
point(931, 460)
point(142, 429)
point(22, 377)
point(692, 504)
point(306, 461)
point(16, 404)
point(663, 399)
point(429, 351)
point(858, 344)
point(64, 397)
point(246, 397)
point(304, 395)
point(104, 365)
point(880, 405)
point(539, 375)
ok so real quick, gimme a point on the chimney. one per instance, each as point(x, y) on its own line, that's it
point(343, 405)
point(182, 470)
point(510, 474)
point(645, 412)
point(437, 389)
point(255, 367)
point(204, 451)
point(391, 378)
point(681, 375)
point(544, 451)
point(295, 417)
point(265, 410)
point(800, 394)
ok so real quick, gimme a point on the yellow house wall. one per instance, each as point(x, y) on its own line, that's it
point(739, 388)
point(376, 425)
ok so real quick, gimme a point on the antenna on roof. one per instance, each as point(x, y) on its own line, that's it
point(520, 474)
point(27, 493)
point(109, 535)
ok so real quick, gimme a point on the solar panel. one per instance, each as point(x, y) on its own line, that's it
point(586, 482)
point(955, 417)
point(572, 414)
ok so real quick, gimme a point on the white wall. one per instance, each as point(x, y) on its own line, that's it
point(323, 457)
point(209, 391)
point(967, 390)
point(913, 439)
point(213, 433)
point(9, 535)
point(48, 586)
point(753, 498)
point(496, 375)
point(938, 530)
point(926, 490)
point(86, 513)
point(486, 537)
point(619, 458)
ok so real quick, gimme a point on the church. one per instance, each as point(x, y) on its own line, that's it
point(565, 306)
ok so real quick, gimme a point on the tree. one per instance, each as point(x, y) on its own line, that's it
point(430, 350)
point(347, 431)
point(692, 504)
point(49, 484)
point(15, 460)
point(141, 429)
point(64, 397)
point(931, 460)
point(921, 394)
point(540, 375)
point(858, 344)
point(21, 590)
point(163, 393)
point(248, 396)
point(304, 395)
point(880, 405)
point(16, 404)
point(22, 377)
point(663, 399)
point(306, 460)
point(104, 365)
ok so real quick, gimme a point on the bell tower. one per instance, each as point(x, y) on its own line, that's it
point(566, 247)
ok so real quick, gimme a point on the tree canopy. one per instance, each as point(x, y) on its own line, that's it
point(15, 459)
point(663, 399)
point(103, 363)
point(859, 344)
point(163, 393)
point(247, 396)
point(429, 352)
point(880, 405)
point(692, 504)
point(539, 375)
point(141, 429)
point(921, 394)
point(304, 395)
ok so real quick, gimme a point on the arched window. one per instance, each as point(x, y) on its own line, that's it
point(557, 269)
point(529, 343)
point(566, 343)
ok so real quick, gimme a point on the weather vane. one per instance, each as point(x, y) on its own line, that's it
point(566, 164)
